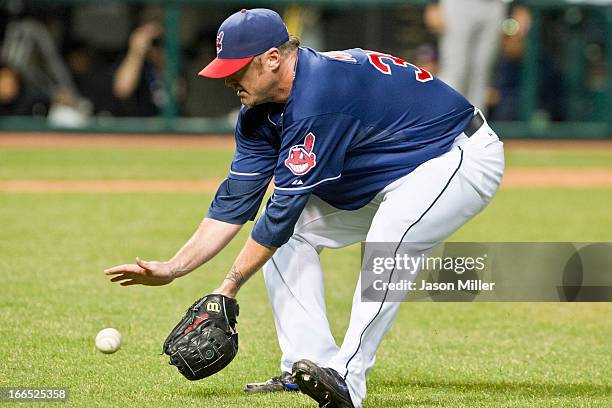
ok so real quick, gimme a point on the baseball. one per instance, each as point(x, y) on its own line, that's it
point(108, 340)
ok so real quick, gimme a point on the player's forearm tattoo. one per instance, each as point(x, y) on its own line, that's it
point(235, 276)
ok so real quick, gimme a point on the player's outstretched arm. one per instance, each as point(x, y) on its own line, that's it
point(252, 257)
point(271, 231)
point(210, 238)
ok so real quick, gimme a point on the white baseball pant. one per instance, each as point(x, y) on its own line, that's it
point(427, 205)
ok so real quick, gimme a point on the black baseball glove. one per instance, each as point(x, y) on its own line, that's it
point(205, 340)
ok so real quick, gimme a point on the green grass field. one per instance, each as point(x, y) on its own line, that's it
point(193, 163)
point(54, 246)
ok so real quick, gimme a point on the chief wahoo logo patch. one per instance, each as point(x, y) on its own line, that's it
point(301, 157)
point(220, 42)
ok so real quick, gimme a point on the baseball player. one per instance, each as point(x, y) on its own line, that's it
point(362, 145)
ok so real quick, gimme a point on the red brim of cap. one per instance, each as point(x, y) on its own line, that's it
point(221, 68)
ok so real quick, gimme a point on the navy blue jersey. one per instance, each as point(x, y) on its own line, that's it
point(354, 122)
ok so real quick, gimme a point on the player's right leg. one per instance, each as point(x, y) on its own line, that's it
point(294, 279)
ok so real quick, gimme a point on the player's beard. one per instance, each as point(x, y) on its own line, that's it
point(244, 99)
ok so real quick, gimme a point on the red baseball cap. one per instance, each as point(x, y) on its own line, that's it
point(241, 37)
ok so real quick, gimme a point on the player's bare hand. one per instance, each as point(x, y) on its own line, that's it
point(149, 273)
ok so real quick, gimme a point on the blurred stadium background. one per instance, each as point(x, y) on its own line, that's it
point(553, 82)
point(74, 201)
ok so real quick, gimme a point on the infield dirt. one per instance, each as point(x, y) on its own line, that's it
point(515, 177)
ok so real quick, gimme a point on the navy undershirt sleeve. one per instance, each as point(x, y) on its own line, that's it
point(237, 201)
point(275, 226)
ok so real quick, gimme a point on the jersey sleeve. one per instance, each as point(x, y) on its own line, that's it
point(237, 201)
point(239, 197)
point(255, 156)
point(276, 224)
point(312, 152)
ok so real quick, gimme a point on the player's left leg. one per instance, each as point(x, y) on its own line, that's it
point(426, 206)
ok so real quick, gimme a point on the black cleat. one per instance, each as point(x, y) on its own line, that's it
point(281, 383)
point(324, 385)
